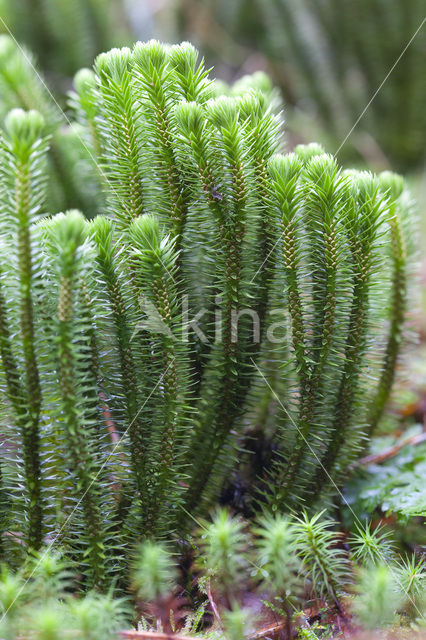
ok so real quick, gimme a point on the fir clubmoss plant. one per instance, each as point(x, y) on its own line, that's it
point(24, 153)
point(393, 186)
point(281, 566)
point(237, 622)
point(276, 541)
point(76, 380)
point(133, 346)
point(332, 223)
point(288, 558)
point(411, 580)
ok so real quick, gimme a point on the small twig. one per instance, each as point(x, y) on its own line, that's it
point(390, 452)
point(271, 630)
point(212, 602)
point(108, 420)
point(154, 635)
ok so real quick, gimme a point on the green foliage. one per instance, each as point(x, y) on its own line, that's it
point(411, 578)
point(125, 410)
point(76, 395)
point(36, 602)
point(371, 546)
point(393, 185)
point(281, 566)
point(49, 574)
point(308, 634)
point(385, 583)
point(223, 547)
point(395, 486)
point(324, 562)
point(299, 556)
point(266, 557)
point(236, 622)
point(287, 552)
point(378, 597)
point(331, 229)
point(21, 85)
point(154, 573)
point(24, 155)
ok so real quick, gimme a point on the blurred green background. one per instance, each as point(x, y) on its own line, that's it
point(338, 63)
point(352, 75)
